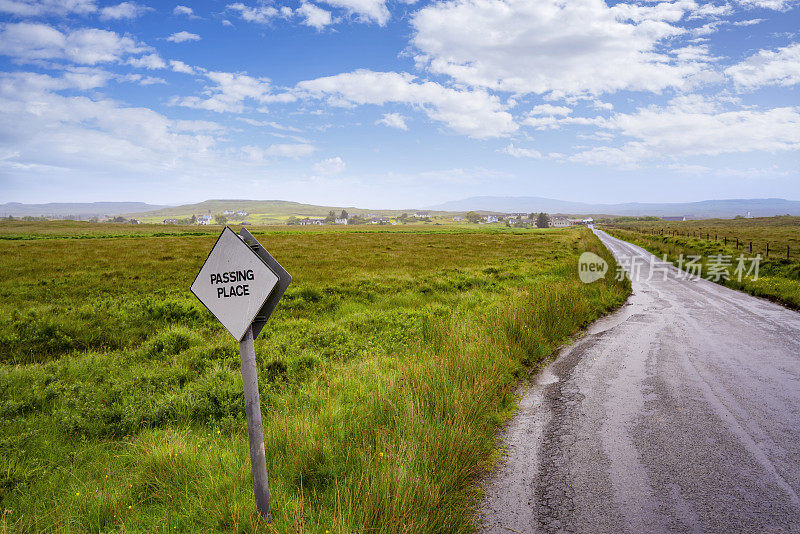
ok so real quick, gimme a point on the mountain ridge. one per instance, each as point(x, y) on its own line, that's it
point(77, 209)
point(724, 208)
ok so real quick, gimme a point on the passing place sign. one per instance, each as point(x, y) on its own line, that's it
point(234, 283)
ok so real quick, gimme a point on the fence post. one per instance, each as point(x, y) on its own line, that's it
point(726, 240)
point(767, 255)
point(787, 252)
point(751, 247)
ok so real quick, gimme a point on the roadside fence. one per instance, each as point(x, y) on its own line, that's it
point(767, 248)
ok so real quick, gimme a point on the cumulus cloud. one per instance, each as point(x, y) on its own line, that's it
point(180, 66)
point(366, 10)
point(229, 92)
point(258, 14)
point(692, 126)
point(777, 5)
point(31, 41)
point(474, 113)
point(80, 133)
point(768, 67)
point(182, 37)
point(550, 46)
point(125, 10)
point(149, 61)
point(314, 16)
point(330, 166)
point(550, 110)
point(143, 80)
point(30, 8)
point(183, 10)
point(393, 120)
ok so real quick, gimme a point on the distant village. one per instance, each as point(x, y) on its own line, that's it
point(518, 220)
point(343, 217)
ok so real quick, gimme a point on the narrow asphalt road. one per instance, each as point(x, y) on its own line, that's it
point(680, 412)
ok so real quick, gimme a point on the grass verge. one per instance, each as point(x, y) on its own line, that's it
point(778, 279)
point(384, 375)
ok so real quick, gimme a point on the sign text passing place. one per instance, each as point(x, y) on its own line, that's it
point(234, 283)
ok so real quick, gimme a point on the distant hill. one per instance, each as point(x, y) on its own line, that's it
point(758, 207)
point(260, 211)
point(79, 209)
point(277, 208)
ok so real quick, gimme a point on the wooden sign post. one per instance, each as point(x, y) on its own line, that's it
point(241, 284)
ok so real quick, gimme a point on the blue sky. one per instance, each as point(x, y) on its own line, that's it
point(398, 103)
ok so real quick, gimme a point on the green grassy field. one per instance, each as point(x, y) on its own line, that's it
point(17, 230)
point(384, 375)
point(778, 277)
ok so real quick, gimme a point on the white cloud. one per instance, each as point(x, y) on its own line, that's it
point(548, 109)
point(180, 66)
point(144, 80)
point(125, 10)
point(709, 10)
point(149, 61)
point(314, 16)
point(230, 91)
point(76, 133)
point(330, 166)
point(183, 10)
point(511, 150)
point(557, 118)
point(271, 124)
point(29, 8)
point(259, 14)
point(474, 113)
point(366, 10)
point(777, 5)
point(768, 67)
point(551, 46)
point(29, 41)
point(182, 37)
point(691, 126)
point(393, 120)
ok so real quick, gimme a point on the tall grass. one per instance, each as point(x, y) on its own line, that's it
point(384, 377)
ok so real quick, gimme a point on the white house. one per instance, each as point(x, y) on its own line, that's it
point(422, 214)
point(340, 221)
point(559, 222)
point(491, 219)
point(458, 218)
point(309, 221)
point(204, 220)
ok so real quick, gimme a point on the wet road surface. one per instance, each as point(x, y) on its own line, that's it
point(680, 412)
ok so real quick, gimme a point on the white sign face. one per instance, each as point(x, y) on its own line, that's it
point(234, 283)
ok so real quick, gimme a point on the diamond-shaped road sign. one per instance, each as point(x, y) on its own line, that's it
point(235, 282)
